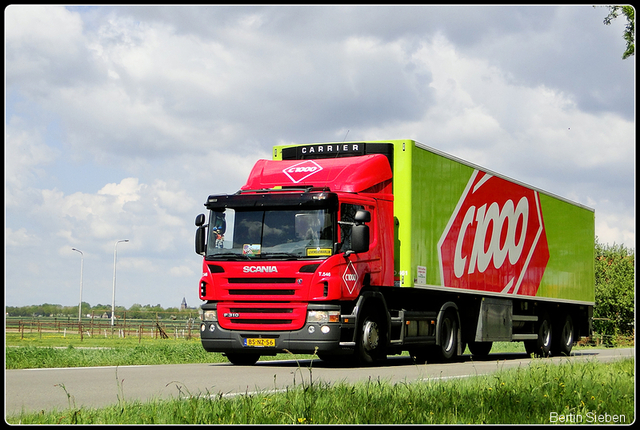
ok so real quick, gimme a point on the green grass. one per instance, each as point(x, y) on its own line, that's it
point(537, 394)
point(110, 352)
point(51, 350)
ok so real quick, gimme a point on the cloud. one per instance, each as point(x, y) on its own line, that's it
point(122, 120)
point(28, 155)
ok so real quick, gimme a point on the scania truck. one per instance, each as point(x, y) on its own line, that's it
point(359, 250)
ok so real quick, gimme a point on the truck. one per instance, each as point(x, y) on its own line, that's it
point(354, 251)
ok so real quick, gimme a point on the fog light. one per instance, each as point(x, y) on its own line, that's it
point(202, 327)
point(325, 329)
point(212, 327)
point(312, 329)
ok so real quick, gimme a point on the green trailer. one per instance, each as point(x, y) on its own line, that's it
point(378, 247)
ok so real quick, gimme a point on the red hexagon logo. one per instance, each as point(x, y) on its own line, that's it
point(495, 240)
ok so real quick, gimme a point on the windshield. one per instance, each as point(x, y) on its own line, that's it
point(270, 233)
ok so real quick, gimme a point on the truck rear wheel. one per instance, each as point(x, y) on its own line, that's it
point(541, 346)
point(243, 359)
point(563, 338)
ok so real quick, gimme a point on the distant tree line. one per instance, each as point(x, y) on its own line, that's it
point(135, 311)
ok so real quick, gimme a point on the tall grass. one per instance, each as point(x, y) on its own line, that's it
point(537, 394)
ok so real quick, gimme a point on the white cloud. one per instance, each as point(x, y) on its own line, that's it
point(28, 156)
point(127, 190)
point(20, 238)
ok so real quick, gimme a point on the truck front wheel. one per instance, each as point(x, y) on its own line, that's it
point(480, 349)
point(371, 340)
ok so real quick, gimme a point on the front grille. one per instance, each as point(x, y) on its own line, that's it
point(244, 322)
point(262, 280)
point(247, 292)
point(262, 316)
point(261, 310)
point(261, 288)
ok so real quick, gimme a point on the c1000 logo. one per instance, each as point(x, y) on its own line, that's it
point(495, 239)
point(301, 171)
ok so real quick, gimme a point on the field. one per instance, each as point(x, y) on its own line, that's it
point(580, 392)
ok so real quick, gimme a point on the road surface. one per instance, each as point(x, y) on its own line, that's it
point(93, 387)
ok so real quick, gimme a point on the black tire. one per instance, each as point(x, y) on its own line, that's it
point(541, 346)
point(563, 337)
point(371, 337)
point(448, 348)
point(480, 349)
point(243, 359)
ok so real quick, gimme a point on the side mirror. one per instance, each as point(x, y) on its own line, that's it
point(199, 220)
point(200, 235)
point(360, 238)
point(360, 232)
point(362, 216)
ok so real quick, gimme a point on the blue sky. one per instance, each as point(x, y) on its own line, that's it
point(121, 120)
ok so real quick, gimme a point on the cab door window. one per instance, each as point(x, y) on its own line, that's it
point(347, 217)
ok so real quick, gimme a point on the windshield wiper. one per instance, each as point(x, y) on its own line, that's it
point(280, 254)
point(229, 255)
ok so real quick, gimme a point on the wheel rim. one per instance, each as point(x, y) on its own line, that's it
point(567, 334)
point(546, 334)
point(370, 336)
point(449, 335)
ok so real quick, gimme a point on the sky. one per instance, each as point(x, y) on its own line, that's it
point(121, 120)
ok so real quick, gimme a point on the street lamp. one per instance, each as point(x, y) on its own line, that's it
point(81, 266)
point(113, 295)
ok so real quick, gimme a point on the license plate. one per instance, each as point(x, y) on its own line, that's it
point(259, 342)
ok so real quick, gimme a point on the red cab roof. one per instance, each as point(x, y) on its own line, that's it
point(347, 174)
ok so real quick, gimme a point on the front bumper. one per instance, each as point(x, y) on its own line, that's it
point(312, 337)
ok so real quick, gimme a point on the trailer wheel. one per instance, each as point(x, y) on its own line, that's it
point(447, 349)
point(563, 338)
point(480, 349)
point(243, 359)
point(541, 346)
point(371, 339)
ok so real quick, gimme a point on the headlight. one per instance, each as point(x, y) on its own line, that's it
point(323, 317)
point(210, 316)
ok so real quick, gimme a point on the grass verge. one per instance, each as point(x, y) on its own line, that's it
point(55, 350)
point(581, 392)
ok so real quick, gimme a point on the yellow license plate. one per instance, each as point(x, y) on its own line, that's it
point(259, 342)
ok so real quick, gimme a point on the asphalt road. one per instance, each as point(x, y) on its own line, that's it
point(92, 387)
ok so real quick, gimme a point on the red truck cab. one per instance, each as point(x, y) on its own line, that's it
point(289, 258)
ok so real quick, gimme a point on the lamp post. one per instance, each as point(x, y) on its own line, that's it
point(81, 266)
point(113, 294)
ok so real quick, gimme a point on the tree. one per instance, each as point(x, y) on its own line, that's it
point(629, 31)
point(615, 279)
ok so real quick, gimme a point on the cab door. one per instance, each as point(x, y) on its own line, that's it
point(362, 269)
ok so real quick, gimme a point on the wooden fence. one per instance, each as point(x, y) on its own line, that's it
point(95, 326)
